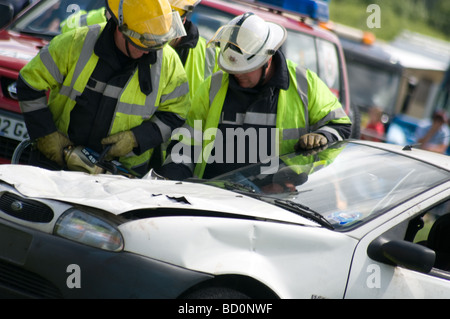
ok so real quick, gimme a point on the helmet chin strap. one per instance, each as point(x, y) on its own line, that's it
point(127, 47)
point(263, 74)
point(120, 18)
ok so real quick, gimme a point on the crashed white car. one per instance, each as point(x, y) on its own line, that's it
point(356, 220)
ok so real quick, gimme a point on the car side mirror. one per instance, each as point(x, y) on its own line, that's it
point(6, 13)
point(402, 253)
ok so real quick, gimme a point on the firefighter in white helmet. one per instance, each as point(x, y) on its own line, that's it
point(261, 92)
point(115, 83)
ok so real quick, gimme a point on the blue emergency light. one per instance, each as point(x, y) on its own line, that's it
point(315, 9)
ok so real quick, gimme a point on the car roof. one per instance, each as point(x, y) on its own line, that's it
point(433, 158)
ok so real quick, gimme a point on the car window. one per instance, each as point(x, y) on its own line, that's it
point(301, 48)
point(429, 218)
point(209, 20)
point(431, 229)
point(45, 18)
point(328, 64)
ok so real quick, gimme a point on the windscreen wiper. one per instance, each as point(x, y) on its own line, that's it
point(226, 184)
point(292, 206)
point(238, 186)
point(303, 211)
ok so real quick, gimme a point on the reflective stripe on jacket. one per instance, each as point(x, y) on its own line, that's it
point(201, 61)
point(65, 65)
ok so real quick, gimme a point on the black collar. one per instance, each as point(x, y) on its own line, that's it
point(280, 78)
point(191, 38)
point(107, 50)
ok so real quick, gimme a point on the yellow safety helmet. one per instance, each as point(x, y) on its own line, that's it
point(184, 6)
point(147, 24)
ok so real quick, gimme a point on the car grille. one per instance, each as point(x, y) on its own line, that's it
point(7, 147)
point(25, 209)
point(15, 281)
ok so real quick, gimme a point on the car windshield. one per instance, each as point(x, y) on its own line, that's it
point(347, 183)
point(45, 17)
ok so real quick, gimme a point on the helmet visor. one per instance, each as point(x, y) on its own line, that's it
point(156, 32)
point(184, 6)
point(241, 40)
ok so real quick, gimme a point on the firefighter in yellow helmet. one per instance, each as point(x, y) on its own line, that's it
point(113, 84)
point(199, 60)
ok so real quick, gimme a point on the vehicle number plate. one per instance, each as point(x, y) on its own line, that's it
point(13, 128)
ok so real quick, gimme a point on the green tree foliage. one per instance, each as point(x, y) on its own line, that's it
point(430, 17)
point(439, 16)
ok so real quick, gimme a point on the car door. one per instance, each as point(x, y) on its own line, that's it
point(374, 279)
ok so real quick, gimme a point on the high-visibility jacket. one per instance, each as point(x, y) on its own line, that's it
point(311, 163)
point(306, 106)
point(200, 64)
point(64, 68)
point(201, 61)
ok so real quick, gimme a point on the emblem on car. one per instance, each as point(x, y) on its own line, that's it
point(16, 206)
point(12, 90)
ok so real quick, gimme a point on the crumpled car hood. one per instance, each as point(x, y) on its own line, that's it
point(118, 194)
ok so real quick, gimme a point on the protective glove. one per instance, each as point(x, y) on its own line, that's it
point(310, 141)
point(122, 144)
point(285, 180)
point(288, 176)
point(52, 146)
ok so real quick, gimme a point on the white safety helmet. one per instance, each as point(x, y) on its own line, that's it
point(247, 42)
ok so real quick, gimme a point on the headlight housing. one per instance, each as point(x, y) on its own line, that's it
point(88, 229)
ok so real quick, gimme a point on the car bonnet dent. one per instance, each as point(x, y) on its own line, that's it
point(117, 194)
point(277, 254)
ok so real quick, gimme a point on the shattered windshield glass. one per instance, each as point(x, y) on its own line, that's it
point(347, 183)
